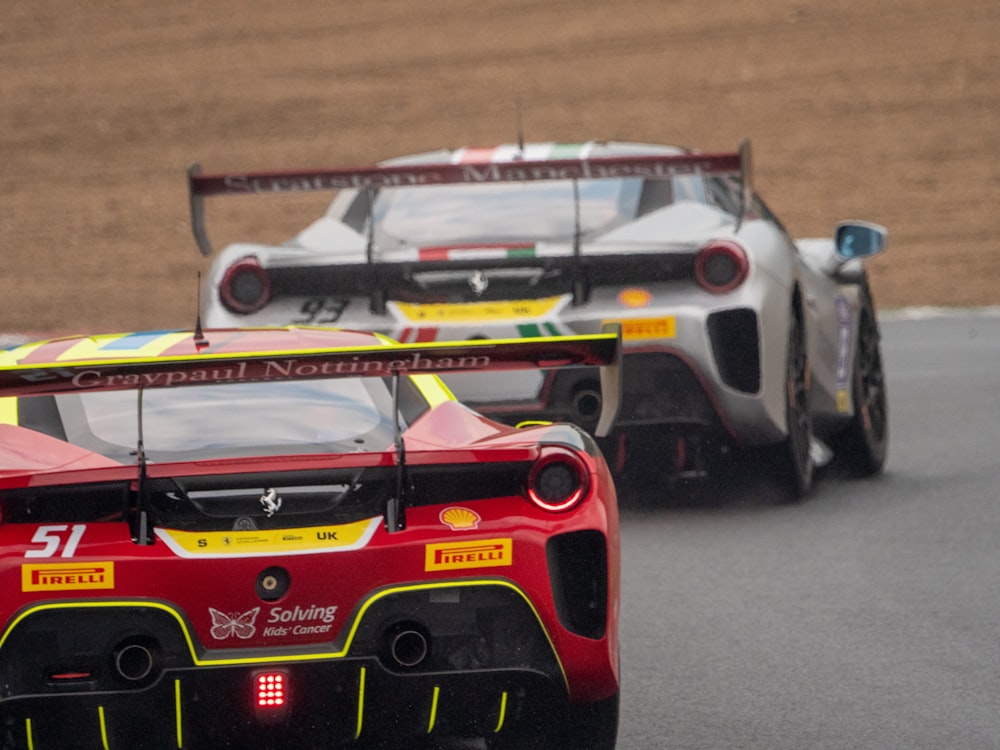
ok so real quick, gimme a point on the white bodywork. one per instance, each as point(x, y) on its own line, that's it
point(783, 274)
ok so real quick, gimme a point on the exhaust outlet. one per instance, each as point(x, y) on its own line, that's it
point(586, 404)
point(134, 662)
point(408, 646)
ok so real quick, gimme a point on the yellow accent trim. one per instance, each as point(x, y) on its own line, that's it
point(295, 541)
point(8, 410)
point(297, 657)
point(843, 401)
point(31, 739)
point(104, 727)
point(177, 709)
point(531, 423)
point(468, 312)
point(433, 389)
point(503, 712)
point(92, 347)
point(434, 709)
point(10, 357)
point(361, 702)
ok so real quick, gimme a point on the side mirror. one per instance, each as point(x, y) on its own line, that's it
point(859, 239)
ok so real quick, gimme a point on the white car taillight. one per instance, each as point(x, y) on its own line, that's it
point(245, 287)
point(721, 266)
point(559, 480)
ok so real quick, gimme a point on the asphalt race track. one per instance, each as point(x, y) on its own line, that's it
point(866, 617)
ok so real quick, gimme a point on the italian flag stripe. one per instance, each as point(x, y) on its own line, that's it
point(476, 155)
point(509, 152)
point(478, 252)
point(565, 151)
point(522, 251)
point(534, 330)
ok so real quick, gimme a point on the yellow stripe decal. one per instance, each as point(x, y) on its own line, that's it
point(434, 709)
point(287, 658)
point(8, 410)
point(433, 389)
point(503, 711)
point(104, 728)
point(31, 739)
point(100, 347)
point(262, 543)
point(361, 702)
point(177, 709)
point(476, 311)
point(10, 357)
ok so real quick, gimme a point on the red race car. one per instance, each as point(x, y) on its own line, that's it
point(297, 538)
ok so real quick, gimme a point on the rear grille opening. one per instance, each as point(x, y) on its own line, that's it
point(578, 570)
point(736, 347)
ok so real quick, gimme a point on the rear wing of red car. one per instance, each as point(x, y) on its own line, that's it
point(199, 363)
point(374, 178)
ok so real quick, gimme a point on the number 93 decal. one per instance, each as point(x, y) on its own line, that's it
point(320, 310)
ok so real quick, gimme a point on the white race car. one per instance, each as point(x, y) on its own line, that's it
point(738, 339)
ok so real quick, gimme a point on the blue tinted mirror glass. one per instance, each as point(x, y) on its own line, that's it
point(859, 240)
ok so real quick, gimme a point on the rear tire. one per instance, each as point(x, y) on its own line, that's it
point(864, 444)
point(790, 461)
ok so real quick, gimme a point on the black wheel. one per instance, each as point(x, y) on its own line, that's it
point(791, 461)
point(864, 444)
point(588, 726)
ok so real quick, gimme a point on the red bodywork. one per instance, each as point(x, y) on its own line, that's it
point(467, 620)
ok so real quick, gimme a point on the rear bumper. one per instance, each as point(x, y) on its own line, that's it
point(490, 667)
point(329, 704)
point(712, 380)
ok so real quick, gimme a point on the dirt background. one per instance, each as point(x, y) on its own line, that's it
point(887, 110)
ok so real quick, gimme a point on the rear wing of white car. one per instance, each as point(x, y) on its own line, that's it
point(658, 166)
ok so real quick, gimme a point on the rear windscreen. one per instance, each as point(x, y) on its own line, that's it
point(340, 415)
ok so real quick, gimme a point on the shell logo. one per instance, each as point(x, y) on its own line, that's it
point(460, 519)
point(634, 297)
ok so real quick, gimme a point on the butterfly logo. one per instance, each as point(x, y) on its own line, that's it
point(225, 626)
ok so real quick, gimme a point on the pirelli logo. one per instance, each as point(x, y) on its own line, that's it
point(68, 576)
point(482, 553)
point(649, 328)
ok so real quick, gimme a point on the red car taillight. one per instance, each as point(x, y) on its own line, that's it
point(721, 266)
point(245, 287)
point(559, 480)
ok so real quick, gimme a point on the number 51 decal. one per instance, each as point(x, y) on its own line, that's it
point(54, 537)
